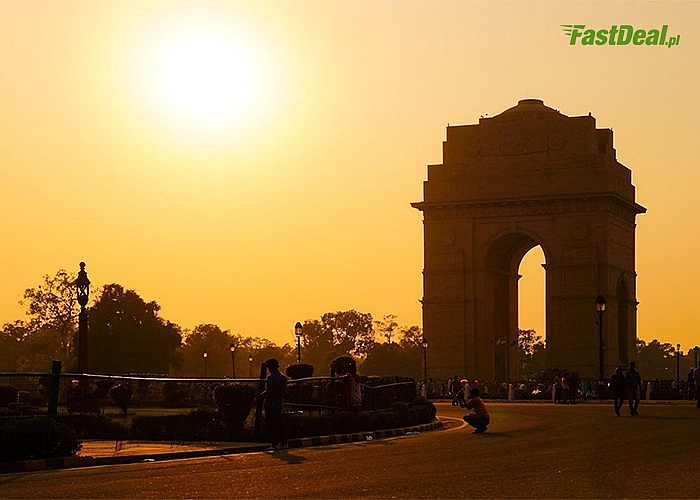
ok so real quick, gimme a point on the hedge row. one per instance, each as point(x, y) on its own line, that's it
point(36, 437)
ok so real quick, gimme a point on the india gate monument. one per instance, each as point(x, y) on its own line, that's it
point(526, 177)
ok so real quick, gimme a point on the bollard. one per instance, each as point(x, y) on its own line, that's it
point(648, 391)
point(54, 387)
point(554, 393)
point(510, 392)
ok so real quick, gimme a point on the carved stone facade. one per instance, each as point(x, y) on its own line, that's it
point(526, 177)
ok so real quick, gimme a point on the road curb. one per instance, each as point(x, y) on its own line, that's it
point(86, 461)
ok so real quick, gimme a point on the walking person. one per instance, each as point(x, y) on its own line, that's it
point(617, 386)
point(480, 418)
point(274, 400)
point(633, 382)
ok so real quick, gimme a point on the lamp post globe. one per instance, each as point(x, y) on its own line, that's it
point(205, 355)
point(298, 330)
point(250, 365)
point(82, 286)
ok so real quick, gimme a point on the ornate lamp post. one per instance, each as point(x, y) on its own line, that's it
point(250, 365)
point(678, 364)
point(82, 285)
point(425, 360)
point(232, 348)
point(600, 309)
point(298, 330)
point(205, 354)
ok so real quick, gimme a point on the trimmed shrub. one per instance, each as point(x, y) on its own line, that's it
point(37, 437)
point(198, 425)
point(121, 394)
point(93, 426)
point(21, 409)
point(299, 370)
point(8, 394)
point(342, 365)
point(234, 402)
point(400, 415)
point(175, 394)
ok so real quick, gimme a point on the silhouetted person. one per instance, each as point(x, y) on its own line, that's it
point(274, 400)
point(480, 418)
point(633, 382)
point(573, 387)
point(690, 383)
point(618, 386)
point(353, 389)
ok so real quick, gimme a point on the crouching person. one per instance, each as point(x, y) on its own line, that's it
point(479, 418)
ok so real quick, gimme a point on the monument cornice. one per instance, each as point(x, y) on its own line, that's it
point(507, 207)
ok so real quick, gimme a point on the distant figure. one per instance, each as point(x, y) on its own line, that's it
point(458, 398)
point(633, 382)
point(573, 387)
point(353, 389)
point(274, 400)
point(691, 384)
point(564, 389)
point(480, 418)
point(696, 377)
point(617, 386)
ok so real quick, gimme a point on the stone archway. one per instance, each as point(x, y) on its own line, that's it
point(526, 177)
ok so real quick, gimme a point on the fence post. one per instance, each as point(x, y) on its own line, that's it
point(259, 400)
point(54, 387)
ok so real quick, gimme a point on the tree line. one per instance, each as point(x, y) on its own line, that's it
point(127, 335)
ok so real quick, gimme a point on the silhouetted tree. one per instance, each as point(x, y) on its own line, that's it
point(51, 329)
point(11, 337)
point(411, 336)
point(386, 327)
point(336, 334)
point(658, 360)
point(532, 353)
point(126, 335)
point(215, 342)
point(395, 359)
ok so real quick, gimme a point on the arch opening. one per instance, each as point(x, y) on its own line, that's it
point(504, 262)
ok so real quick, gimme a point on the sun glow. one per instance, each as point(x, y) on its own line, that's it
point(207, 78)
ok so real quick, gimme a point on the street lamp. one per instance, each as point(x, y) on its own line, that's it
point(205, 355)
point(82, 285)
point(232, 348)
point(298, 329)
point(425, 360)
point(600, 309)
point(678, 364)
point(250, 365)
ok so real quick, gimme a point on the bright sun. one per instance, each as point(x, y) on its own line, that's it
point(205, 78)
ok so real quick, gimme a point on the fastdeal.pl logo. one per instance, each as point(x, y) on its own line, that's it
point(619, 35)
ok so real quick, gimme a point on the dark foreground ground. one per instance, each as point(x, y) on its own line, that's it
point(530, 451)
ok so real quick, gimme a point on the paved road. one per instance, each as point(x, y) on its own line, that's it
point(530, 451)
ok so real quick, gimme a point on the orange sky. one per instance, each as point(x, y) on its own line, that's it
point(251, 164)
